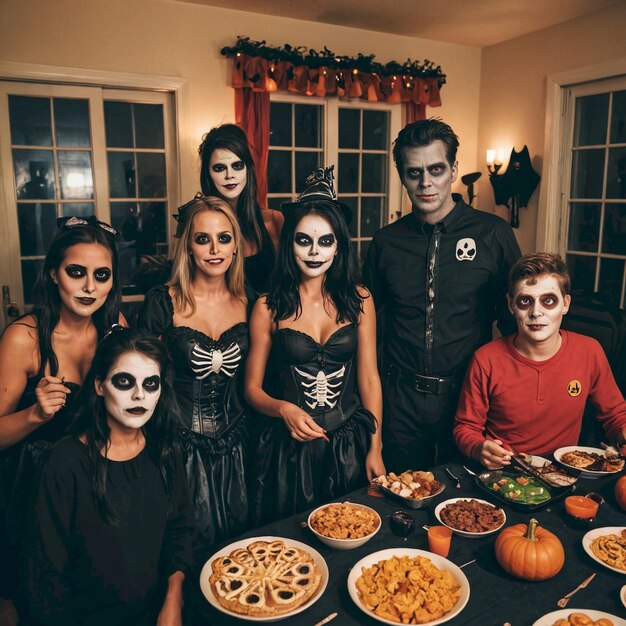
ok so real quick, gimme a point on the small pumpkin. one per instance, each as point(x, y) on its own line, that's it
point(529, 552)
point(620, 492)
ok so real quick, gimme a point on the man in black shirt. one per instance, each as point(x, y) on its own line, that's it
point(439, 278)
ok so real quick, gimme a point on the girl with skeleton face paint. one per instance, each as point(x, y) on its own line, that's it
point(117, 488)
point(316, 329)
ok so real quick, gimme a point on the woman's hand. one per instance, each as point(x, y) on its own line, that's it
point(374, 465)
point(491, 454)
point(51, 396)
point(170, 614)
point(300, 424)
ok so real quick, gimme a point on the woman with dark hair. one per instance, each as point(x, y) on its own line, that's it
point(227, 171)
point(312, 366)
point(112, 523)
point(202, 315)
point(44, 357)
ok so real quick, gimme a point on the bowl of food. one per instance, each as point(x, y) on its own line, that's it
point(345, 525)
point(470, 517)
point(413, 488)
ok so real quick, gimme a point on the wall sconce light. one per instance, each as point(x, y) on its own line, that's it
point(515, 187)
point(469, 180)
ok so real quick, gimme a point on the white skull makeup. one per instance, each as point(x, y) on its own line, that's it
point(131, 390)
point(465, 249)
point(314, 245)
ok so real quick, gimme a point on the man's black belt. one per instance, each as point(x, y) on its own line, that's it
point(426, 384)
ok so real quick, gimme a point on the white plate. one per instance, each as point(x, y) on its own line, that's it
point(437, 560)
point(622, 595)
point(584, 473)
point(465, 533)
point(550, 618)
point(539, 461)
point(207, 590)
point(597, 532)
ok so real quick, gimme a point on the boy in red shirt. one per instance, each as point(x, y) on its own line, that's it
point(528, 391)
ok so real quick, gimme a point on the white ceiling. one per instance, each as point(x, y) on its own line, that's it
point(470, 22)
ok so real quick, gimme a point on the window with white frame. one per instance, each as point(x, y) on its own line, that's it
point(594, 233)
point(85, 151)
point(356, 137)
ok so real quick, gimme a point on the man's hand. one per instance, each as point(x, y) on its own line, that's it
point(491, 454)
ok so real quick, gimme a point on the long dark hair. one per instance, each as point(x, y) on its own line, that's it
point(47, 301)
point(340, 283)
point(91, 417)
point(231, 137)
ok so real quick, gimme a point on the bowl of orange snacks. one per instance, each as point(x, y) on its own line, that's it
point(344, 525)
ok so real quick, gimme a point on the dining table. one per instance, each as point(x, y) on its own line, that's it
point(496, 598)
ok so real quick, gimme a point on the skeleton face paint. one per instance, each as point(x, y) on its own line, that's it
point(314, 245)
point(538, 310)
point(131, 390)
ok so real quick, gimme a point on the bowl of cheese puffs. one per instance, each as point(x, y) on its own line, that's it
point(344, 525)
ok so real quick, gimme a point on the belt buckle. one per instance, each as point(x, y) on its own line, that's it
point(427, 384)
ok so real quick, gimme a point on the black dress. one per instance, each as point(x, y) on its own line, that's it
point(258, 267)
point(77, 568)
point(208, 381)
point(289, 477)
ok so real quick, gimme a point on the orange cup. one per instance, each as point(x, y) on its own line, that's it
point(581, 507)
point(439, 538)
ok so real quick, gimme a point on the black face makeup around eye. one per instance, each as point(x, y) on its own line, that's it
point(327, 240)
point(152, 383)
point(218, 167)
point(548, 300)
point(225, 237)
point(201, 239)
point(123, 381)
point(302, 240)
point(75, 271)
point(239, 165)
point(102, 275)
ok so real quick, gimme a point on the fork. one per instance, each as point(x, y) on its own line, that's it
point(562, 603)
point(449, 473)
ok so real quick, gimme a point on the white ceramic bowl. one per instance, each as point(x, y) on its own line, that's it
point(344, 544)
point(622, 595)
point(466, 533)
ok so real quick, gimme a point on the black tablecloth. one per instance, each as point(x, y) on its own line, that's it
point(495, 597)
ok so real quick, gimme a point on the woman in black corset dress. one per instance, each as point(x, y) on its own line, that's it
point(312, 367)
point(45, 355)
point(202, 315)
point(227, 171)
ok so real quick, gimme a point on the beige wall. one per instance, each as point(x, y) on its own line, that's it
point(172, 38)
point(513, 91)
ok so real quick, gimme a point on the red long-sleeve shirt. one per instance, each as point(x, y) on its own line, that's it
point(537, 406)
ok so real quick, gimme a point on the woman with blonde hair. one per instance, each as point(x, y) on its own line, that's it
point(202, 315)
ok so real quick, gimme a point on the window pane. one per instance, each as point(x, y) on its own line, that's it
point(280, 124)
point(584, 227)
point(375, 130)
point(365, 246)
point(306, 162)
point(348, 174)
point(30, 121)
point(591, 120)
point(75, 176)
point(582, 270)
point(278, 171)
point(616, 182)
point(349, 128)
point(125, 219)
point(353, 203)
point(71, 122)
point(151, 175)
point(614, 232)
point(152, 236)
point(373, 179)
point(37, 225)
point(30, 272)
point(618, 118)
point(308, 126)
point(122, 175)
point(118, 124)
point(34, 174)
point(274, 203)
point(587, 174)
point(148, 126)
point(611, 276)
point(371, 216)
point(79, 209)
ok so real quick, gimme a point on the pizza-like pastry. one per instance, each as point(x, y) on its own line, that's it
point(264, 579)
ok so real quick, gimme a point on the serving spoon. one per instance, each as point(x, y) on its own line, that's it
point(562, 603)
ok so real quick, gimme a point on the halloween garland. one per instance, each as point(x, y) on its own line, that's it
point(261, 67)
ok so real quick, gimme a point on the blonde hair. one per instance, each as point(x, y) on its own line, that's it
point(183, 269)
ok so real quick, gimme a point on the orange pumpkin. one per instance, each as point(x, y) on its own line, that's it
point(529, 552)
point(620, 492)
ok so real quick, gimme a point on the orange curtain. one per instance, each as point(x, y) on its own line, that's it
point(252, 113)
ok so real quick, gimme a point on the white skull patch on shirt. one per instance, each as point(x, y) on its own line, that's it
point(465, 249)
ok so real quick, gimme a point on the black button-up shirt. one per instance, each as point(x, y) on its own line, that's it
point(438, 288)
